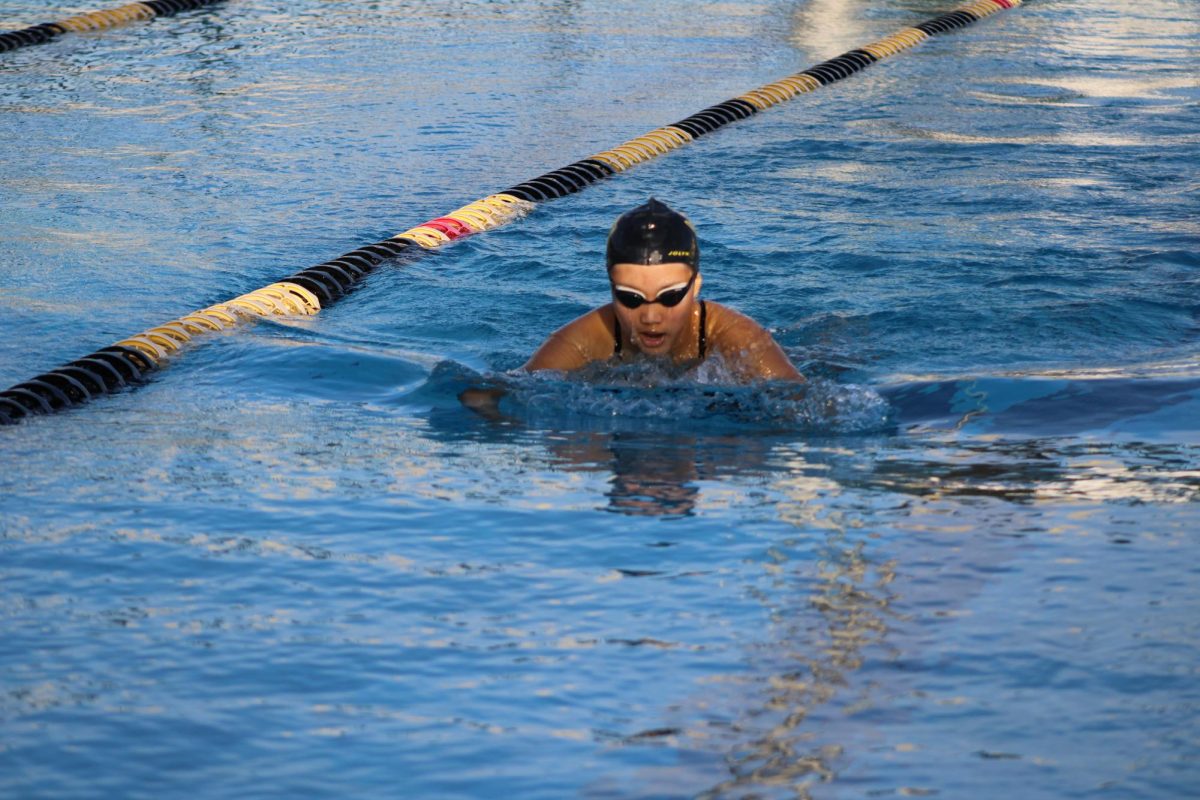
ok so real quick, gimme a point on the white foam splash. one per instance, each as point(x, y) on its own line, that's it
point(660, 392)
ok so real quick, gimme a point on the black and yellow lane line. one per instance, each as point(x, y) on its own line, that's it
point(306, 292)
point(97, 21)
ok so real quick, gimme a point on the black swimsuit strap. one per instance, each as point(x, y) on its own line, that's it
point(616, 335)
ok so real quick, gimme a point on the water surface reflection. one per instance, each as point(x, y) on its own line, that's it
point(890, 544)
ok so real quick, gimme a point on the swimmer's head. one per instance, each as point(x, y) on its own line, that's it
point(653, 233)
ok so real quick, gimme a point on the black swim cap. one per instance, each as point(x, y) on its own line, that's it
point(653, 234)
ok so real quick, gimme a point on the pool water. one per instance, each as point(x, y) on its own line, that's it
point(292, 564)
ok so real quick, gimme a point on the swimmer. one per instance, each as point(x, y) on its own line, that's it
point(654, 273)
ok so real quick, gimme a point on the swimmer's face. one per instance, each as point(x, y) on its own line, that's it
point(654, 328)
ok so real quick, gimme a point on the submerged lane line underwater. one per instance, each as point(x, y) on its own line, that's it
point(306, 292)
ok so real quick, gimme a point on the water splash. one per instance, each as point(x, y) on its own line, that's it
point(652, 394)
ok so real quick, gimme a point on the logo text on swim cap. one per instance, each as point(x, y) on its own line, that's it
point(684, 253)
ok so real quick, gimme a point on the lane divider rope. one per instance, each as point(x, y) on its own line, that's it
point(97, 20)
point(308, 291)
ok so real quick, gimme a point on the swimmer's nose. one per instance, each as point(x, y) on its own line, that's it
point(652, 313)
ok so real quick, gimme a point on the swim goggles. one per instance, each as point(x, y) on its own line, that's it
point(669, 297)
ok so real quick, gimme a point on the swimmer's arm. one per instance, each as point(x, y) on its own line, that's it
point(771, 363)
point(574, 345)
point(568, 348)
point(484, 402)
point(558, 352)
point(752, 353)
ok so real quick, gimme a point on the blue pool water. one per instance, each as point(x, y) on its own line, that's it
point(293, 565)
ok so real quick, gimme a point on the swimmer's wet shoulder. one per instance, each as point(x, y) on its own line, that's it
point(654, 274)
point(578, 343)
point(748, 348)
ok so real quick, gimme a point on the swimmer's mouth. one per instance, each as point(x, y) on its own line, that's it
point(652, 340)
